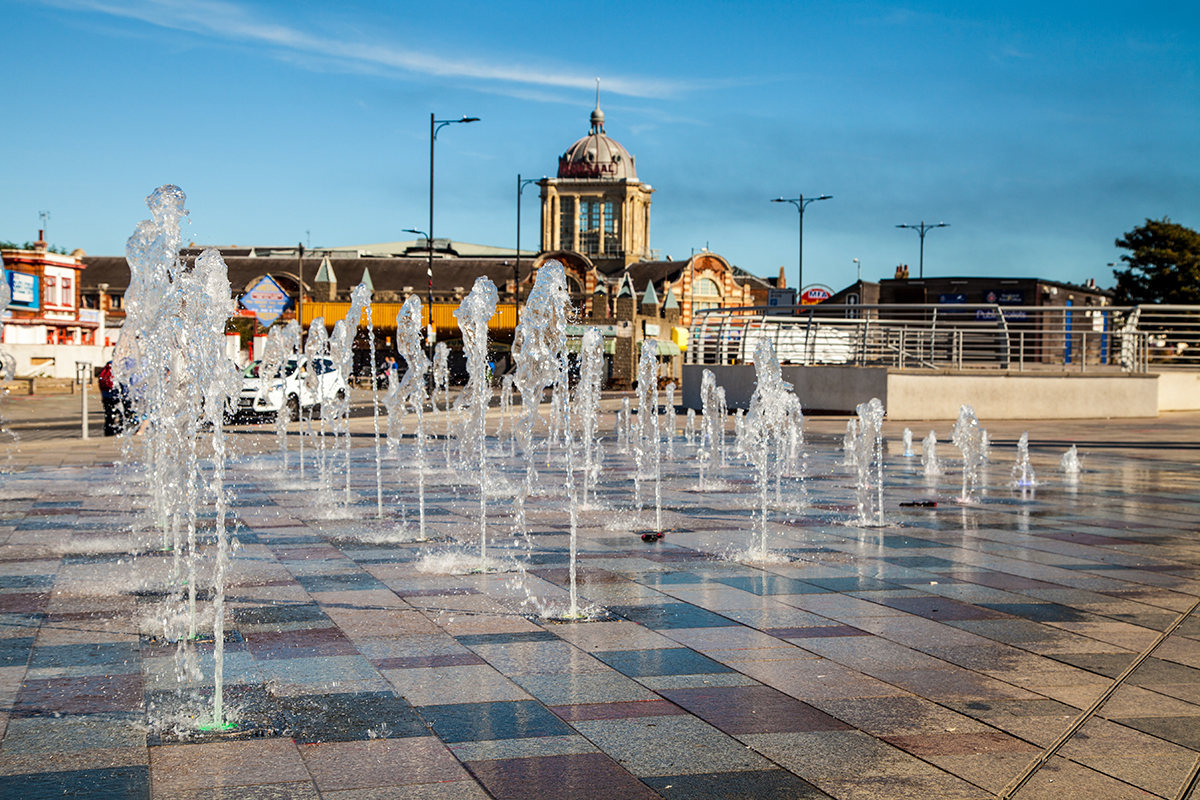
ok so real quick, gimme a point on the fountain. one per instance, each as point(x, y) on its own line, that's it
point(850, 443)
point(473, 314)
point(587, 401)
point(647, 449)
point(706, 453)
point(538, 346)
point(173, 345)
point(441, 380)
point(412, 386)
point(316, 353)
point(1069, 465)
point(908, 451)
point(929, 456)
point(341, 350)
point(670, 422)
point(868, 451)
point(968, 438)
point(1022, 473)
point(766, 430)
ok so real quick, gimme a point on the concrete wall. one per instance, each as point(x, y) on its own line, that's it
point(915, 396)
point(909, 395)
point(61, 358)
point(1179, 391)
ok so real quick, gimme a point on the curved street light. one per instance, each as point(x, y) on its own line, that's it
point(521, 184)
point(921, 230)
point(435, 125)
point(801, 203)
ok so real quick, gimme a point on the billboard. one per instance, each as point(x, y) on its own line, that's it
point(24, 289)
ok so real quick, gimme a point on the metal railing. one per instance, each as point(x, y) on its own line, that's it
point(959, 336)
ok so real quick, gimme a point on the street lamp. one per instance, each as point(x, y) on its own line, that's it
point(429, 270)
point(801, 203)
point(858, 264)
point(921, 230)
point(521, 184)
point(435, 125)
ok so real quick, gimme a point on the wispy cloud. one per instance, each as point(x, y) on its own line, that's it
point(236, 23)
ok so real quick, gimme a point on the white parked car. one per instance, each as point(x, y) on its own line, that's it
point(292, 390)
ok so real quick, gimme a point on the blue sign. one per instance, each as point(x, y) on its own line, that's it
point(952, 298)
point(24, 289)
point(267, 300)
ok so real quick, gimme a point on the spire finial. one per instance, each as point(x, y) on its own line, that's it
point(597, 115)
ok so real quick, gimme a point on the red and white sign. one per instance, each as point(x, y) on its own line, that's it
point(815, 294)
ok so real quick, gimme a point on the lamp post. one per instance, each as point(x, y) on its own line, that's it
point(521, 184)
point(429, 270)
point(300, 286)
point(921, 230)
point(801, 203)
point(858, 264)
point(435, 125)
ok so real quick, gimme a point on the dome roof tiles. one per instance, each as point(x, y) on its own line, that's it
point(597, 156)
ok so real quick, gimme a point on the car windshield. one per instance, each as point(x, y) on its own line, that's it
point(251, 371)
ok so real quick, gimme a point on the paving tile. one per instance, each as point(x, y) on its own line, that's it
point(353, 717)
point(536, 746)
point(771, 584)
point(1061, 779)
point(449, 790)
point(617, 710)
point(587, 687)
point(674, 661)
point(563, 776)
point(752, 709)
point(338, 766)
point(477, 683)
point(852, 764)
point(674, 745)
point(326, 674)
point(300, 643)
point(473, 722)
point(900, 716)
point(117, 782)
point(671, 615)
point(94, 694)
point(70, 732)
point(957, 744)
point(622, 635)
point(770, 784)
point(226, 764)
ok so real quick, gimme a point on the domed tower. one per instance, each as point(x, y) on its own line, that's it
point(596, 206)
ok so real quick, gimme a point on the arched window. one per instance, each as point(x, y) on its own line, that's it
point(706, 287)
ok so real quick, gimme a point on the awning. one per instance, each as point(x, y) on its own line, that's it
point(668, 349)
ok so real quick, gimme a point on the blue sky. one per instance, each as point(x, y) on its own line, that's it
point(1039, 131)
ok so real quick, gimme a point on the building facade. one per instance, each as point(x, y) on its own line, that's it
point(596, 206)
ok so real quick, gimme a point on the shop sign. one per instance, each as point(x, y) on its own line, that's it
point(815, 294)
point(267, 300)
point(24, 289)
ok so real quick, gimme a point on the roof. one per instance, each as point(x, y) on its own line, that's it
point(386, 274)
point(597, 156)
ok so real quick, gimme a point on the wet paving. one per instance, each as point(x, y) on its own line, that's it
point(1038, 643)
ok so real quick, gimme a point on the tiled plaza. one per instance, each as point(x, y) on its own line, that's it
point(1034, 644)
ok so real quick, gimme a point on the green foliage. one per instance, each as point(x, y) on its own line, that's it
point(1164, 266)
point(4, 245)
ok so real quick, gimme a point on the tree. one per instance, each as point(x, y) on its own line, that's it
point(1164, 267)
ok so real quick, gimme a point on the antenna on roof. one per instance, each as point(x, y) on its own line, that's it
point(597, 92)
